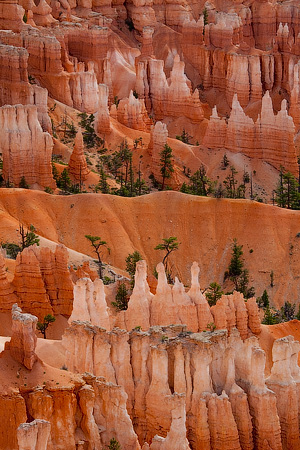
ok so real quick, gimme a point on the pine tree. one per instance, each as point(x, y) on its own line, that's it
point(287, 193)
point(237, 273)
point(23, 183)
point(131, 261)
point(122, 298)
point(97, 243)
point(213, 293)
point(166, 164)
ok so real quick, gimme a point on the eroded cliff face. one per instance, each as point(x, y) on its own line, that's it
point(42, 282)
point(172, 374)
point(157, 387)
point(179, 61)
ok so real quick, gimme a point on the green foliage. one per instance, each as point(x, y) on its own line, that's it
point(64, 181)
point(31, 79)
point(200, 184)
point(97, 243)
point(168, 245)
point(107, 280)
point(184, 137)
point(25, 17)
point(287, 312)
point(103, 185)
point(237, 273)
point(211, 326)
point(90, 138)
point(263, 301)
point(287, 193)
point(121, 167)
point(114, 445)
point(131, 261)
point(28, 237)
point(135, 94)
point(116, 101)
point(122, 298)
point(270, 317)
point(23, 183)
point(225, 162)
point(166, 164)
point(48, 190)
point(246, 177)
point(55, 172)
point(42, 326)
point(213, 293)
point(230, 183)
point(12, 249)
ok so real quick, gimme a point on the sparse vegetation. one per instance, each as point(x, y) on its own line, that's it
point(237, 273)
point(97, 243)
point(131, 261)
point(122, 298)
point(42, 326)
point(90, 138)
point(169, 245)
point(114, 445)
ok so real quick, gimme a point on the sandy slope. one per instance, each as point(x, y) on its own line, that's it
point(204, 226)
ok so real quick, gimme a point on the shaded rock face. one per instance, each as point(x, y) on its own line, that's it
point(42, 284)
point(33, 435)
point(26, 149)
point(180, 385)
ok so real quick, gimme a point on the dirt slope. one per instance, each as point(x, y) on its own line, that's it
point(204, 226)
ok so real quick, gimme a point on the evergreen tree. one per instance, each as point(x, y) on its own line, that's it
point(166, 164)
point(131, 261)
point(42, 326)
point(97, 243)
point(114, 445)
point(169, 245)
point(230, 183)
point(237, 273)
point(23, 183)
point(287, 312)
point(28, 237)
point(64, 181)
point(213, 293)
point(263, 301)
point(200, 183)
point(270, 318)
point(287, 193)
point(122, 298)
point(103, 185)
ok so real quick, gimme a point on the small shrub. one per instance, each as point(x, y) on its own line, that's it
point(48, 190)
point(211, 326)
point(114, 445)
point(23, 183)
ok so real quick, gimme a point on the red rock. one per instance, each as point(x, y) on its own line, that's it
point(33, 435)
point(29, 285)
point(77, 164)
point(7, 296)
point(25, 147)
point(23, 340)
